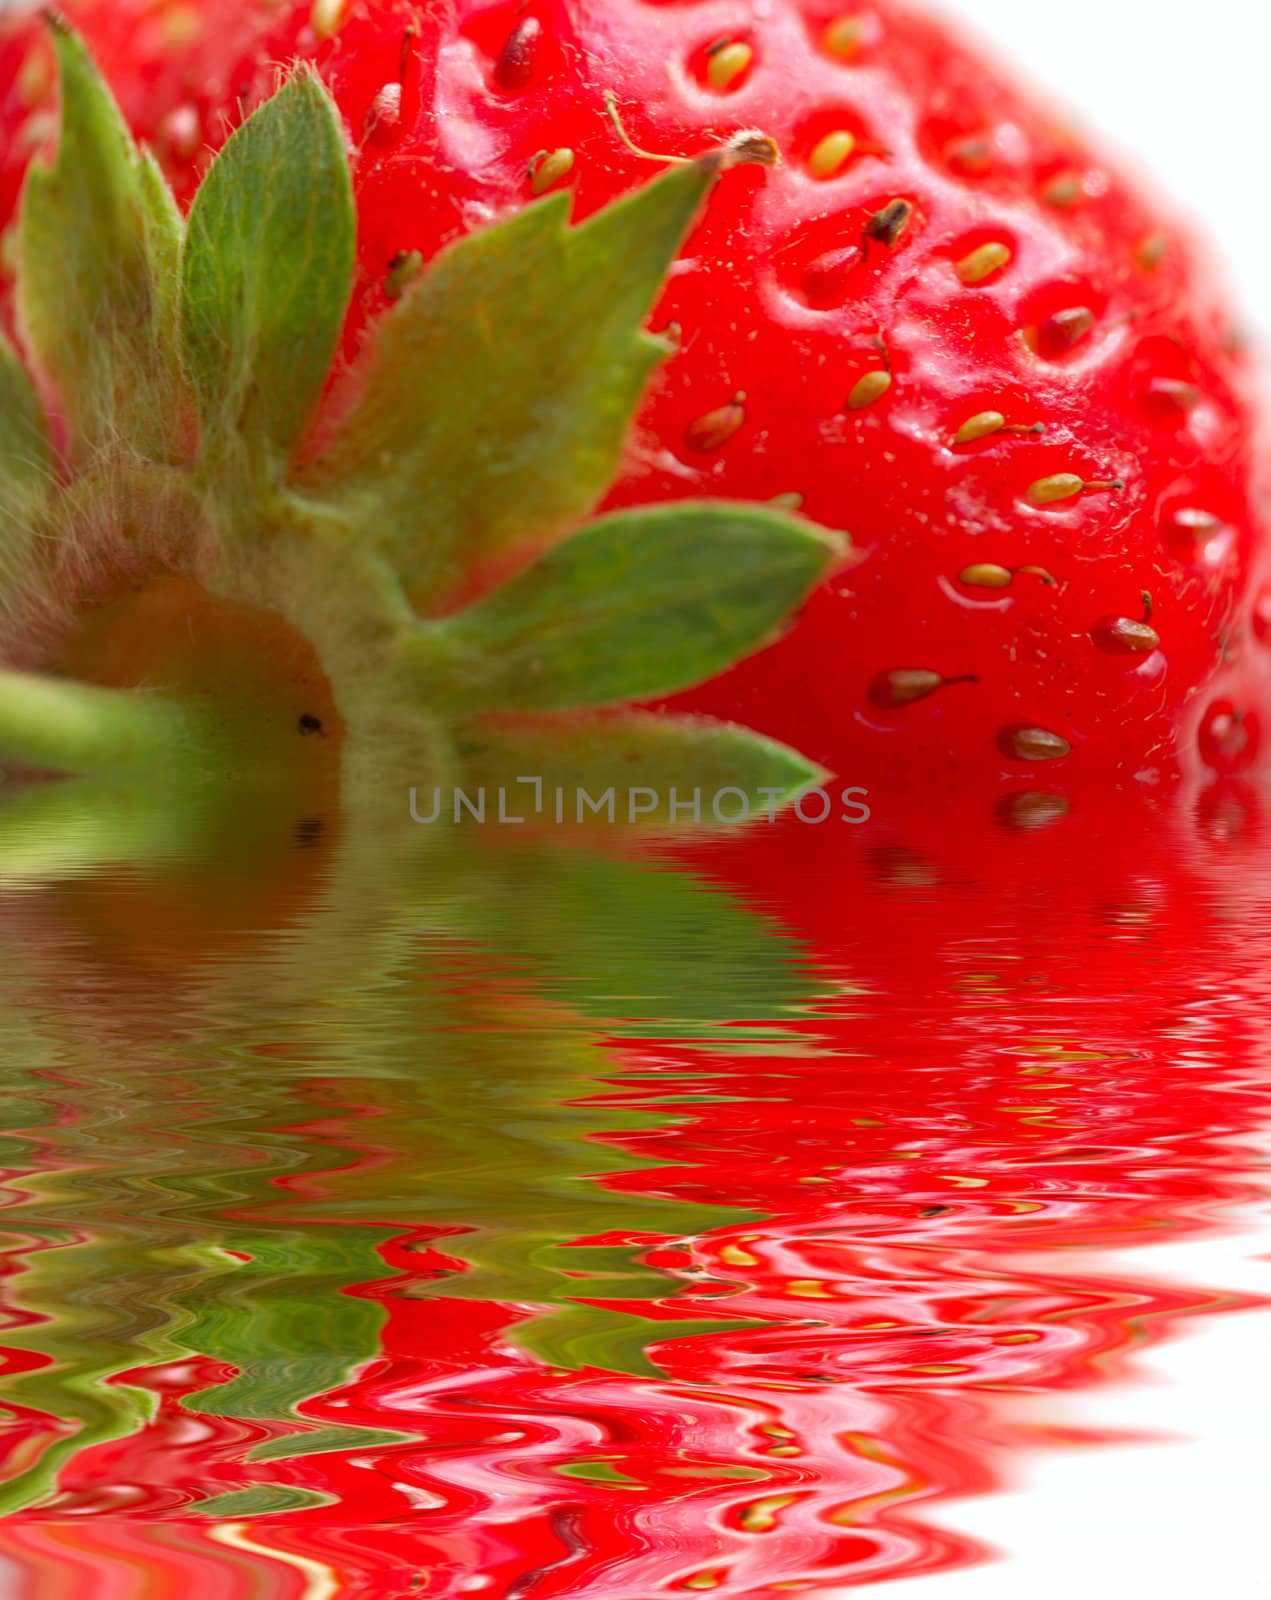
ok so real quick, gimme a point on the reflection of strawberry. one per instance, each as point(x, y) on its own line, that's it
point(491, 1150)
point(945, 317)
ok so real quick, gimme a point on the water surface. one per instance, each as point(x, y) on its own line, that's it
point(549, 1217)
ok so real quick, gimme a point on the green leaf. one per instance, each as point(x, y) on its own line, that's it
point(25, 466)
point(639, 604)
point(95, 272)
point(500, 389)
point(165, 234)
point(267, 273)
point(665, 771)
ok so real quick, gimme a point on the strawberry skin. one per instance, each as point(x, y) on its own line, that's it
point(936, 260)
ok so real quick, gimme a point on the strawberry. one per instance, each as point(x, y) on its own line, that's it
point(943, 323)
point(204, 582)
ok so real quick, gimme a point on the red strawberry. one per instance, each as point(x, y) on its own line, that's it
point(206, 574)
point(882, 327)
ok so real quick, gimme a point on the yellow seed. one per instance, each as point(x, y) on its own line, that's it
point(727, 63)
point(830, 153)
point(326, 17)
point(1126, 636)
point(703, 1580)
point(1030, 812)
point(984, 575)
point(873, 386)
point(1174, 392)
point(970, 156)
point(716, 428)
point(1060, 486)
point(983, 262)
point(181, 26)
point(904, 686)
point(979, 426)
point(791, 500)
point(1151, 251)
point(549, 167)
point(35, 76)
point(1034, 744)
point(761, 1515)
point(734, 1256)
point(1063, 191)
point(843, 37)
point(808, 1289)
point(888, 224)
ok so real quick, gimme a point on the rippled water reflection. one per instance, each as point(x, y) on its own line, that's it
point(543, 1220)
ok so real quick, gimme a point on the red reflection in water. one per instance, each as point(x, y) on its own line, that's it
point(1048, 1042)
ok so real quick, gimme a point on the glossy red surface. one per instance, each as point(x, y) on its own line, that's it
point(1105, 325)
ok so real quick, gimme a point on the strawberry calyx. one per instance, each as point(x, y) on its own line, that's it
point(216, 561)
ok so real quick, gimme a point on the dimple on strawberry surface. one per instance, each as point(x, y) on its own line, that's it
point(942, 323)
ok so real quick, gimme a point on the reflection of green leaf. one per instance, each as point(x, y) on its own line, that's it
point(262, 1500)
point(577, 1335)
point(285, 1320)
point(598, 1471)
point(664, 953)
point(496, 1131)
point(485, 1107)
point(50, 831)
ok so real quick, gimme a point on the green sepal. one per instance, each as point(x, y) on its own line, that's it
point(667, 771)
point(266, 275)
point(77, 728)
point(96, 288)
point(165, 233)
point(638, 604)
point(498, 393)
point(25, 463)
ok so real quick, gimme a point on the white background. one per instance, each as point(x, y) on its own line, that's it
point(1184, 92)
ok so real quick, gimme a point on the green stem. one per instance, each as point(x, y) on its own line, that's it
point(59, 726)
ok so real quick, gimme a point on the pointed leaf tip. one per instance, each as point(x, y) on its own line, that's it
point(267, 274)
point(639, 604)
point(94, 285)
point(665, 773)
point(502, 384)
